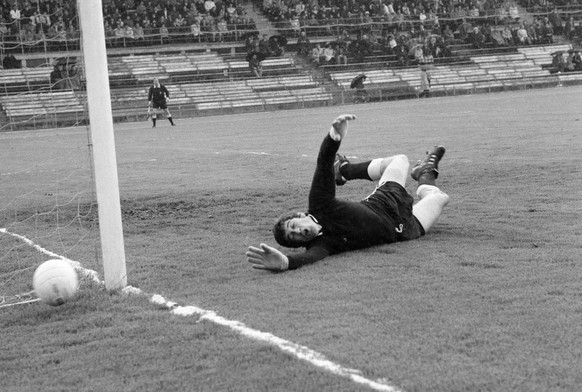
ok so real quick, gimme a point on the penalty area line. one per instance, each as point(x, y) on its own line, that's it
point(301, 352)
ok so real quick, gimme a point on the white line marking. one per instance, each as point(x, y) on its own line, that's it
point(294, 349)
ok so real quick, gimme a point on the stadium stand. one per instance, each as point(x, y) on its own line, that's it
point(524, 69)
point(207, 71)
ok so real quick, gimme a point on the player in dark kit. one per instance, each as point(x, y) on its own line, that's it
point(332, 225)
point(158, 97)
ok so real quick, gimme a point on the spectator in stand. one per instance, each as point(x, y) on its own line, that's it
point(195, 30)
point(27, 19)
point(328, 55)
point(401, 52)
point(210, 7)
point(388, 10)
point(3, 28)
point(179, 22)
point(252, 43)
point(465, 29)
point(303, 44)
point(57, 31)
point(398, 19)
point(513, 12)
point(474, 11)
point(299, 8)
point(129, 38)
point(231, 11)
point(433, 21)
point(10, 62)
point(577, 60)
point(558, 62)
point(75, 78)
point(556, 21)
point(424, 82)
point(56, 77)
point(15, 19)
point(496, 38)
point(448, 35)
point(570, 28)
point(164, 33)
point(264, 46)
point(522, 36)
point(222, 28)
point(417, 53)
point(532, 33)
point(476, 38)
point(209, 27)
point(341, 51)
point(138, 34)
point(391, 44)
point(507, 35)
point(316, 53)
point(119, 34)
point(255, 65)
point(295, 25)
point(570, 65)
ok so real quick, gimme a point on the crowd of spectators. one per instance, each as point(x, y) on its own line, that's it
point(132, 21)
point(405, 47)
point(415, 30)
point(127, 22)
point(567, 61)
point(66, 75)
point(410, 30)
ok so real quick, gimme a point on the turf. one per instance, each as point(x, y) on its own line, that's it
point(488, 301)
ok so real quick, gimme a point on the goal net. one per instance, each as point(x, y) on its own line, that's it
point(53, 181)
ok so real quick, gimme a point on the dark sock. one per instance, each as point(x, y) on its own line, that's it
point(171, 121)
point(356, 171)
point(427, 178)
point(154, 121)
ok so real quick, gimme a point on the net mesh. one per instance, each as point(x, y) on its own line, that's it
point(47, 196)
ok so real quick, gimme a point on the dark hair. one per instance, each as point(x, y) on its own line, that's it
point(279, 230)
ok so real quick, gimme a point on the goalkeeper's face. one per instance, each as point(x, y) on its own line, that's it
point(301, 230)
point(156, 83)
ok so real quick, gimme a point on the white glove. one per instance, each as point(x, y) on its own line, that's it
point(339, 126)
point(267, 257)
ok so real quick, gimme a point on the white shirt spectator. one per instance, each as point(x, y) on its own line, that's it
point(195, 29)
point(295, 24)
point(15, 13)
point(129, 32)
point(328, 54)
point(299, 8)
point(522, 34)
point(209, 5)
point(513, 11)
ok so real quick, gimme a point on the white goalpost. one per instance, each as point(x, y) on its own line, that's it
point(102, 138)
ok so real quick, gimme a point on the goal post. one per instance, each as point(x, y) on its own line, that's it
point(102, 138)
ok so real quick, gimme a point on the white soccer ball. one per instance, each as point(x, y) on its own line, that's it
point(55, 282)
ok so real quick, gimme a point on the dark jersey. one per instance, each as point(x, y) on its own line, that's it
point(383, 217)
point(158, 94)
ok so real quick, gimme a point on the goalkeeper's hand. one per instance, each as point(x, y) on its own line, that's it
point(267, 257)
point(339, 127)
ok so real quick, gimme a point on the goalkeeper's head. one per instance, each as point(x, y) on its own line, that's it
point(156, 82)
point(295, 229)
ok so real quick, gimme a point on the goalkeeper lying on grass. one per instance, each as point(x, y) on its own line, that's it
point(332, 226)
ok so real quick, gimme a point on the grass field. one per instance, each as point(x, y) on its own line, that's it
point(490, 300)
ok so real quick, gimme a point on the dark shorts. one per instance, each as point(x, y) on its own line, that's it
point(393, 201)
point(160, 105)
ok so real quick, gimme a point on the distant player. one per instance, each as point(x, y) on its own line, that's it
point(331, 225)
point(158, 98)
